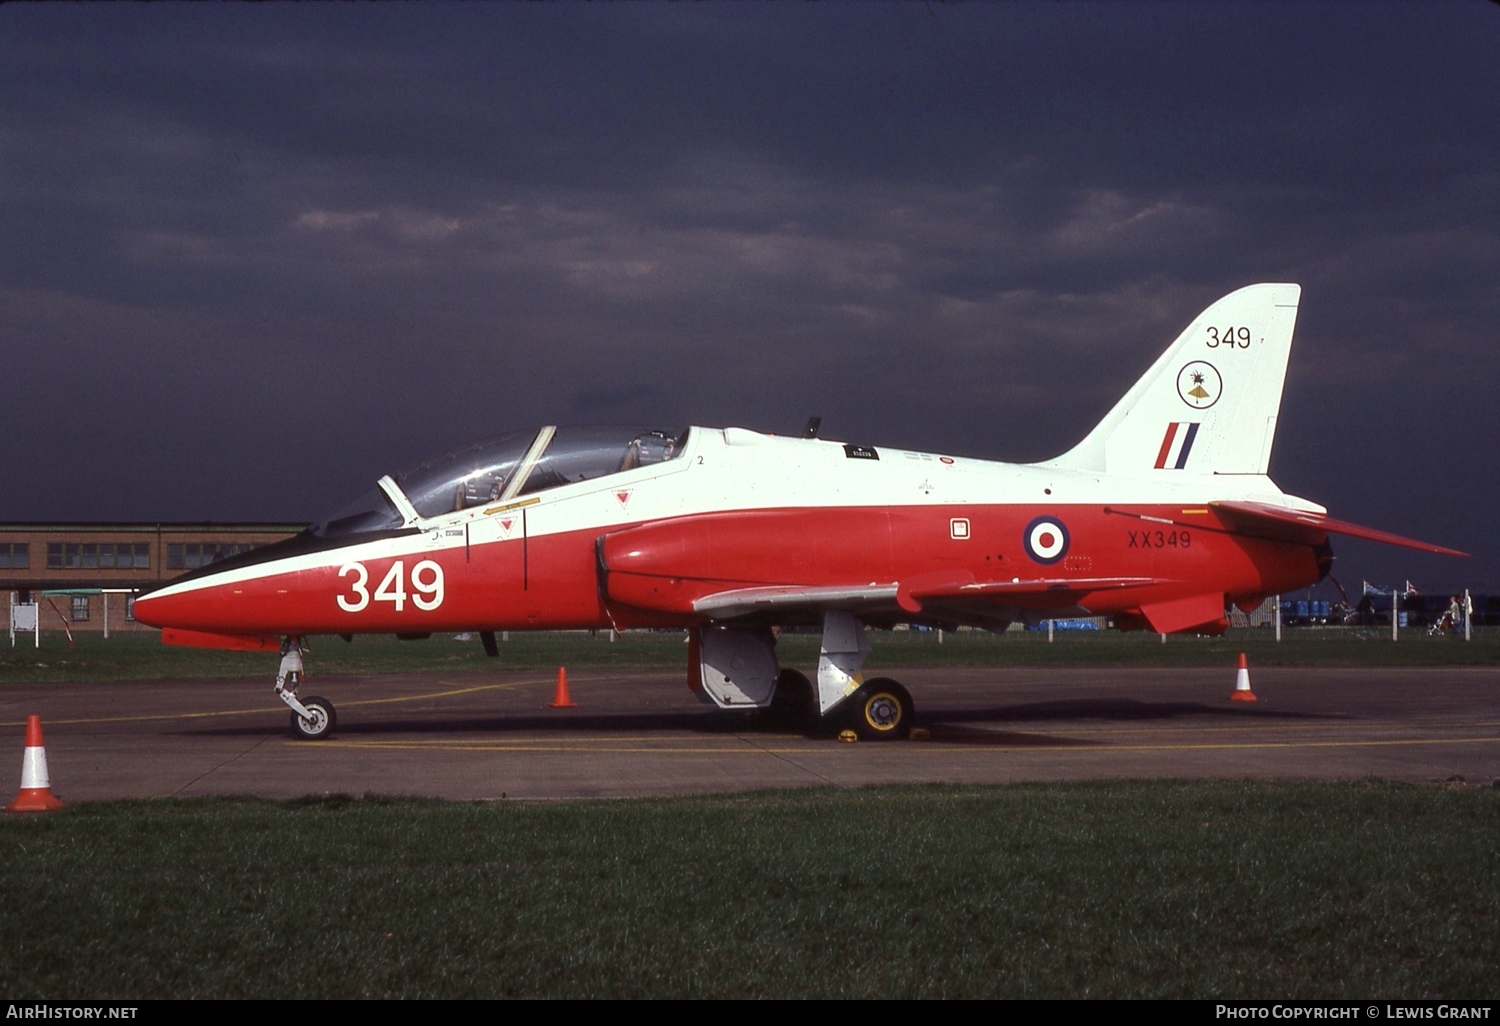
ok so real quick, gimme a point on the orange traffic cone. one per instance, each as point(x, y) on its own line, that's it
point(1242, 692)
point(560, 699)
point(36, 790)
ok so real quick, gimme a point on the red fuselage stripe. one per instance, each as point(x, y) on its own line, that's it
point(655, 571)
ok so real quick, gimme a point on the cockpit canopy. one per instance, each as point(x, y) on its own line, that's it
point(503, 467)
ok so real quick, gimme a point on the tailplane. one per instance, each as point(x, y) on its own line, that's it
point(1208, 405)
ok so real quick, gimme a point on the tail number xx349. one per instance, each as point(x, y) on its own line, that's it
point(426, 586)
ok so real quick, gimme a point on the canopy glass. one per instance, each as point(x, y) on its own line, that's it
point(505, 466)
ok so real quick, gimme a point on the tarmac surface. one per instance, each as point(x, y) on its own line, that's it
point(492, 735)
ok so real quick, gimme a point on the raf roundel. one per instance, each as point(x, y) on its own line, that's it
point(1046, 540)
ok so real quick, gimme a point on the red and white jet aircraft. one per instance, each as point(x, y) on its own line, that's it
point(1161, 517)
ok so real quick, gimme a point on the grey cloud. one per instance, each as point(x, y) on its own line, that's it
point(291, 248)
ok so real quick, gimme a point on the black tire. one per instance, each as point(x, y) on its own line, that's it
point(323, 721)
point(794, 703)
point(881, 710)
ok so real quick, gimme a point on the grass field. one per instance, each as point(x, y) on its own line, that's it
point(1172, 889)
point(142, 656)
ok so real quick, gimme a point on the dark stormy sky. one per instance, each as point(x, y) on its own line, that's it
point(251, 257)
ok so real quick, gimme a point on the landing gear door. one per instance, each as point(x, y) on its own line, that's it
point(844, 650)
point(738, 667)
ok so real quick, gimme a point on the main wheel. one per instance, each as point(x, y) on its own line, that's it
point(882, 710)
point(320, 724)
point(793, 702)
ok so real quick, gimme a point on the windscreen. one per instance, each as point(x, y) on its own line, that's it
point(468, 476)
point(370, 512)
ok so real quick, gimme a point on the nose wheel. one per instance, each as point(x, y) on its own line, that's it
point(312, 717)
point(318, 721)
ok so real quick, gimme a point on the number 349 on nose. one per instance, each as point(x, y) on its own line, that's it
point(426, 585)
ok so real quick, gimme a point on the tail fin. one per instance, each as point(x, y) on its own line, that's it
point(1208, 405)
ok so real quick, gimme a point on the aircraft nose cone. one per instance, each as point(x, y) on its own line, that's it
point(153, 610)
point(190, 609)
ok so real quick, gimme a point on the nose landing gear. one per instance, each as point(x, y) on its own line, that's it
point(313, 717)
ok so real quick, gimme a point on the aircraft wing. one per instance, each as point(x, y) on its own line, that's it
point(742, 601)
point(1280, 523)
point(943, 588)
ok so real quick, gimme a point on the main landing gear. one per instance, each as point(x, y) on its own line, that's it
point(881, 710)
point(313, 717)
point(737, 668)
point(794, 703)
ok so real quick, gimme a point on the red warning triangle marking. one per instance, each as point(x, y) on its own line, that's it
point(624, 496)
point(505, 524)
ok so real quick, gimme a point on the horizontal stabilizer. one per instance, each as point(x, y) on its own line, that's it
point(1300, 525)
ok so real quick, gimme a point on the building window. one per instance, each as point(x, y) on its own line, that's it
point(92, 556)
point(15, 555)
point(125, 555)
point(80, 608)
point(190, 555)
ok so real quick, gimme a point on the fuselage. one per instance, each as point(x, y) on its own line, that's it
point(734, 509)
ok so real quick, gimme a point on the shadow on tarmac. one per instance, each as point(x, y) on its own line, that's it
point(1075, 709)
point(713, 721)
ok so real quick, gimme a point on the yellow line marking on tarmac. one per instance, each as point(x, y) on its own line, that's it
point(1287, 744)
point(533, 747)
point(264, 709)
point(1332, 725)
point(667, 749)
point(447, 694)
point(445, 742)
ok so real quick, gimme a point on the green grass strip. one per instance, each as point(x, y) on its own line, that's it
point(1122, 889)
point(141, 656)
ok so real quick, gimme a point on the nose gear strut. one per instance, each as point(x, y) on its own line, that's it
point(312, 717)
